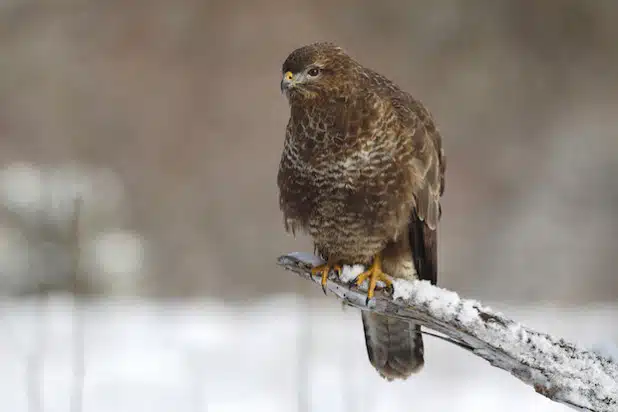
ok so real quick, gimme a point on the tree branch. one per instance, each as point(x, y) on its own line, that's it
point(557, 369)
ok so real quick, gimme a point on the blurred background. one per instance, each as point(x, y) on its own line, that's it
point(164, 118)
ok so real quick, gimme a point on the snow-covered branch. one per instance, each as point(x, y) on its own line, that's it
point(559, 370)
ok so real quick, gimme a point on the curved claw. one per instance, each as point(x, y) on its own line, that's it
point(374, 274)
point(324, 271)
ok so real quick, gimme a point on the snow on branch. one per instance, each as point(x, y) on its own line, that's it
point(559, 370)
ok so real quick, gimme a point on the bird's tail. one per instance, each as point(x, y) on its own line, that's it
point(394, 346)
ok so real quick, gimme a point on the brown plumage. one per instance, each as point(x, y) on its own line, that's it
point(362, 171)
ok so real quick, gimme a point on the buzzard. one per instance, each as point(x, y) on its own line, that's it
point(362, 172)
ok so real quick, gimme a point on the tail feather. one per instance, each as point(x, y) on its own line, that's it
point(394, 346)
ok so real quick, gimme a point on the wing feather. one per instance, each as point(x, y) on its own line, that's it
point(425, 215)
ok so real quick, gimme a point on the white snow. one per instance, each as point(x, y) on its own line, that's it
point(215, 357)
point(468, 312)
point(401, 289)
point(349, 273)
point(440, 301)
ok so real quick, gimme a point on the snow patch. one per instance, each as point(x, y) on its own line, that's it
point(350, 273)
point(402, 289)
point(468, 313)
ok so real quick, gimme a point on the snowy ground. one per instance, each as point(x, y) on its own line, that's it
point(272, 355)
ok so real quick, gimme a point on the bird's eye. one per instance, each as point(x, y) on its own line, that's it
point(313, 72)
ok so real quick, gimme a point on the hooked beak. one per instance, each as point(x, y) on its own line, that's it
point(287, 82)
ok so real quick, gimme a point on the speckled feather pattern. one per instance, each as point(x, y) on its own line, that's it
point(362, 164)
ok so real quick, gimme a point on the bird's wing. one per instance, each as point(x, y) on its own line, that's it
point(424, 248)
point(428, 187)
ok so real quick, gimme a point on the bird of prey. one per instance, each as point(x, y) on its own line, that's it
point(362, 172)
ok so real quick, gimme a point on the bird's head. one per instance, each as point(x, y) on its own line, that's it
point(312, 71)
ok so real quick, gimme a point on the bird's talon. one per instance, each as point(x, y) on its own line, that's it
point(374, 274)
point(324, 271)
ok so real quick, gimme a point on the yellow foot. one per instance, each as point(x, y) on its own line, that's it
point(374, 274)
point(324, 270)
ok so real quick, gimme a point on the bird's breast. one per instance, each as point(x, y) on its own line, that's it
point(346, 202)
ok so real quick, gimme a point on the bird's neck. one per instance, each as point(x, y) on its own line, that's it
point(318, 107)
